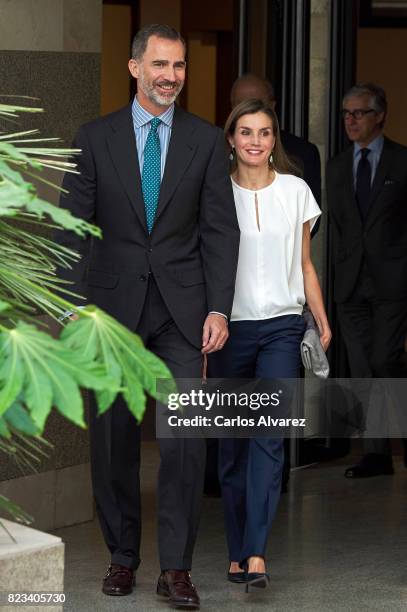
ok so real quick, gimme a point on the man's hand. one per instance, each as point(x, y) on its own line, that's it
point(71, 316)
point(215, 333)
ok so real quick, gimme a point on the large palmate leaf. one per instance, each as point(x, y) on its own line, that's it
point(135, 370)
point(43, 372)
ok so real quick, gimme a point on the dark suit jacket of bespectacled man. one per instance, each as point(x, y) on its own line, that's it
point(173, 285)
point(367, 202)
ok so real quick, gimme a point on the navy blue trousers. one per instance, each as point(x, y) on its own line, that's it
point(250, 469)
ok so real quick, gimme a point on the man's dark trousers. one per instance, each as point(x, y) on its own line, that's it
point(115, 448)
point(374, 330)
point(370, 266)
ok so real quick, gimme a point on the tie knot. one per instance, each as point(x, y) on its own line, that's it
point(155, 123)
point(365, 153)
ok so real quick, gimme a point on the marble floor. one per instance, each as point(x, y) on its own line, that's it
point(337, 545)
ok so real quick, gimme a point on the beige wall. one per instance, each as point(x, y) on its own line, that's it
point(380, 58)
point(160, 11)
point(50, 49)
point(201, 98)
point(258, 37)
point(115, 77)
point(50, 25)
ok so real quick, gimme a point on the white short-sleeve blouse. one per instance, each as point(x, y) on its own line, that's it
point(269, 281)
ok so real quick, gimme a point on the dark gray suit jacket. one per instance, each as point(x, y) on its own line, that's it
point(382, 240)
point(306, 155)
point(192, 250)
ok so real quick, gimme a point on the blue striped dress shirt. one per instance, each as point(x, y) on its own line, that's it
point(141, 123)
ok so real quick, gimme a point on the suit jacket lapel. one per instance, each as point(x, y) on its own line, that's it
point(123, 150)
point(180, 153)
point(350, 187)
point(348, 171)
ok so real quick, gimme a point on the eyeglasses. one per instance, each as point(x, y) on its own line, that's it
point(358, 113)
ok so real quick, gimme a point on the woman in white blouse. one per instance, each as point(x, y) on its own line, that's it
point(275, 276)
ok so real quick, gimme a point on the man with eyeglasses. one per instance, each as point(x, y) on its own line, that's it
point(367, 201)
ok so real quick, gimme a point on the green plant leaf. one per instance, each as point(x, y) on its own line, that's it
point(46, 373)
point(18, 417)
point(37, 371)
point(21, 440)
point(15, 511)
point(39, 393)
point(16, 194)
point(4, 430)
point(11, 373)
point(4, 306)
point(134, 393)
point(122, 354)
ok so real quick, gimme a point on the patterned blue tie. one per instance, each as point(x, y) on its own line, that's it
point(151, 177)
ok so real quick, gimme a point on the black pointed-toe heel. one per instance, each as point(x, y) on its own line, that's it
point(237, 577)
point(260, 580)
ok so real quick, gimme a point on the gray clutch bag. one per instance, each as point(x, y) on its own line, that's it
point(312, 354)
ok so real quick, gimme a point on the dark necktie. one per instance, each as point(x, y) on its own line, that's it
point(151, 176)
point(363, 180)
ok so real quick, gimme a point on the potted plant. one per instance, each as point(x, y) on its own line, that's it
point(37, 371)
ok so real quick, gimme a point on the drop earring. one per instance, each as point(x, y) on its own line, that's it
point(271, 158)
point(232, 154)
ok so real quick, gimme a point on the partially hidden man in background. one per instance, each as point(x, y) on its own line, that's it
point(367, 201)
point(155, 179)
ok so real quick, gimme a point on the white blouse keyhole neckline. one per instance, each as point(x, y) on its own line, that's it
point(256, 205)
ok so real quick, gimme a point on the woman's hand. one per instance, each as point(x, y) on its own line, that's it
point(325, 334)
point(312, 290)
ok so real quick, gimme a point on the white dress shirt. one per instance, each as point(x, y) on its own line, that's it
point(269, 280)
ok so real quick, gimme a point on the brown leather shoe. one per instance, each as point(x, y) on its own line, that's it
point(119, 580)
point(176, 585)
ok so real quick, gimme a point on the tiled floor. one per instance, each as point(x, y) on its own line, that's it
point(337, 545)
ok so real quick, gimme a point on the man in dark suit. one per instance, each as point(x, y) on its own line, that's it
point(367, 201)
point(155, 179)
point(303, 153)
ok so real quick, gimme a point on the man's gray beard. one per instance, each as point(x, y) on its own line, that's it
point(153, 96)
point(161, 100)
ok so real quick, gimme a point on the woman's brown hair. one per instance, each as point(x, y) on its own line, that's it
point(281, 162)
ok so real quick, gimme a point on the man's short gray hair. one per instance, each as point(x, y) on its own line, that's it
point(154, 29)
point(377, 96)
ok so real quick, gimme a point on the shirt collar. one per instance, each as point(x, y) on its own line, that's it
point(375, 146)
point(141, 116)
